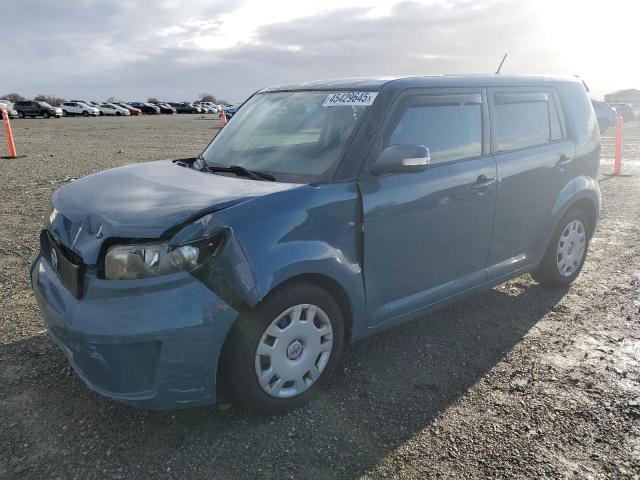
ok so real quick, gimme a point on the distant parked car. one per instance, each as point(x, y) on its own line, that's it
point(605, 113)
point(184, 107)
point(636, 110)
point(144, 107)
point(87, 102)
point(30, 108)
point(132, 110)
point(165, 108)
point(8, 106)
point(78, 108)
point(212, 107)
point(628, 114)
point(113, 109)
point(230, 111)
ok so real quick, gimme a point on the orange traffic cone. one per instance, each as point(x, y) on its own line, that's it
point(7, 128)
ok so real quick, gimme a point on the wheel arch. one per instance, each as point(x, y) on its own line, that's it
point(325, 282)
point(331, 286)
point(588, 207)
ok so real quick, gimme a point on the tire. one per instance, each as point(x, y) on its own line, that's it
point(45, 115)
point(85, 113)
point(101, 113)
point(303, 353)
point(118, 114)
point(20, 114)
point(566, 252)
point(64, 113)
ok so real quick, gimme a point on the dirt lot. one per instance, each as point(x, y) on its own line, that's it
point(518, 381)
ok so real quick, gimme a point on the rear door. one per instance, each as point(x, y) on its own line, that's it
point(534, 158)
point(427, 234)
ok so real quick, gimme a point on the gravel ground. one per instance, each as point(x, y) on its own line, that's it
point(518, 381)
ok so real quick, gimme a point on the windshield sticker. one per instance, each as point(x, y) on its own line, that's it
point(350, 98)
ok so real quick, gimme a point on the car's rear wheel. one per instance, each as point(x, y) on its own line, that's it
point(277, 357)
point(566, 252)
point(45, 115)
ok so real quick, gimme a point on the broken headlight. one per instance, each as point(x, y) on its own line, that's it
point(129, 262)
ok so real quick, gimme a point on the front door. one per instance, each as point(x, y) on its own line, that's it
point(427, 234)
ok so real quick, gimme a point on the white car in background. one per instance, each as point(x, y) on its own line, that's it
point(209, 107)
point(78, 108)
point(8, 106)
point(113, 109)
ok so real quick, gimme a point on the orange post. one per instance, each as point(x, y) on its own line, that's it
point(223, 118)
point(7, 129)
point(617, 165)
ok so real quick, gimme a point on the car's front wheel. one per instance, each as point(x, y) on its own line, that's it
point(45, 115)
point(278, 356)
point(566, 251)
point(20, 114)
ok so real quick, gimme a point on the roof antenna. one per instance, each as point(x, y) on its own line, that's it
point(501, 63)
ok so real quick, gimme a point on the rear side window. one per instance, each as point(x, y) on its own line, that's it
point(450, 132)
point(525, 120)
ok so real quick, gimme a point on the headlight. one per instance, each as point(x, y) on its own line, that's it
point(129, 262)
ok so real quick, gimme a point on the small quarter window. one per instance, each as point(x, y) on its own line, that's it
point(451, 132)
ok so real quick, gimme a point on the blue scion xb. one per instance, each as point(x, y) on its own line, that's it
point(321, 214)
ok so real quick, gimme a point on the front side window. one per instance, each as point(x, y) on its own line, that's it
point(294, 136)
point(450, 132)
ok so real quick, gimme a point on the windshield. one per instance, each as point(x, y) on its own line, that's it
point(44, 104)
point(290, 135)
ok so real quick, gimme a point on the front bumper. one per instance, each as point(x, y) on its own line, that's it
point(154, 343)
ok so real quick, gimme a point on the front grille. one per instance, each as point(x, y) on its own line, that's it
point(68, 265)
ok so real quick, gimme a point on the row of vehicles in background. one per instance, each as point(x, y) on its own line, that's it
point(85, 108)
point(606, 113)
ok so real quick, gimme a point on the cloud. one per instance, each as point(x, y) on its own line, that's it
point(175, 49)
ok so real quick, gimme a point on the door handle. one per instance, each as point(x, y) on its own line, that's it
point(563, 161)
point(483, 184)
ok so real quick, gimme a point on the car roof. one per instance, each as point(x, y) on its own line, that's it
point(400, 83)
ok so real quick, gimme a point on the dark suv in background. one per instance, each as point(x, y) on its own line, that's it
point(148, 108)
point(29, 108)
point(184, 107)
point(165, 108)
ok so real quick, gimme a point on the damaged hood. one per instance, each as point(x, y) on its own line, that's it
point(143, 200)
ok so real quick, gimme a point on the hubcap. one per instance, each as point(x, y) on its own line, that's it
point(294, 351)
point(571, 248)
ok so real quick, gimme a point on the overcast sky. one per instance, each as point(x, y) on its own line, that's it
point(177, 49)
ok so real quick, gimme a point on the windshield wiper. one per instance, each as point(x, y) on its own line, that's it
point(242, 172)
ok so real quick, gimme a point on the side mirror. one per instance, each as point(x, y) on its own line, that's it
point(402, 158)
